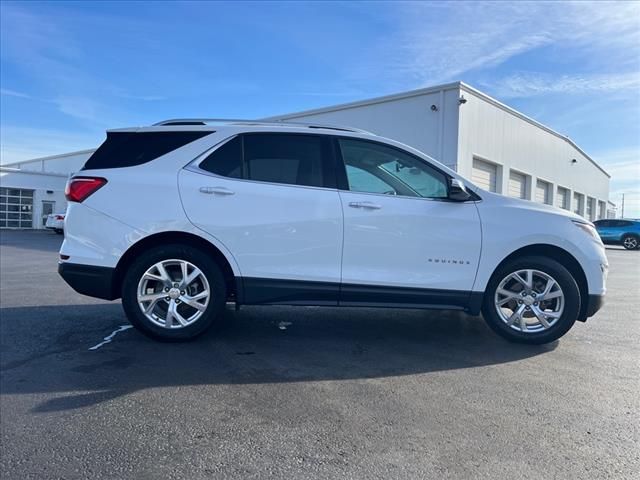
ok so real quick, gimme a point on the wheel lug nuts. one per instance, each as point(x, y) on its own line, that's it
point(535, 304)
point(520, 302)
point(182, 292)
point(175, 285)
point(166, 289)
point(167, 298)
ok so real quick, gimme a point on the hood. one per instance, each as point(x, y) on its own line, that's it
point(528, 205)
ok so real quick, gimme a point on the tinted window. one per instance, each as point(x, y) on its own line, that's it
point(602, 223)
point(407, 175)
point(225, 160)
point(126, 149)
point(283, 158)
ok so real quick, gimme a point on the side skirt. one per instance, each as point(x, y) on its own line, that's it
point(268, 291)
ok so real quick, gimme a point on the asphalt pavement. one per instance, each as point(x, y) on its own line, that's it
point(290, 392)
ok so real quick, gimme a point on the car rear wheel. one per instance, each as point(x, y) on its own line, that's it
point(630, 242)
point(531, 300)
point(173, 293)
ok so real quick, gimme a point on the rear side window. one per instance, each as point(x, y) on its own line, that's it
point(126, 149)
point(225, 160)
point(293, 159)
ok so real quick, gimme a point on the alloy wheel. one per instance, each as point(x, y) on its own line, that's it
point(529, 301)
point(173, 293)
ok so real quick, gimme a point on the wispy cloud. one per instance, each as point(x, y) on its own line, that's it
point(441, 44)
point(12, 93)
point(23, 143)
point(527, 84)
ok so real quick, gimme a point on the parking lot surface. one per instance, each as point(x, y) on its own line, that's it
point(279, 392)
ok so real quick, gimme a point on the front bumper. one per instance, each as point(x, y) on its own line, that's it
point(594, 303)
point(89, 280)
point(590, 307)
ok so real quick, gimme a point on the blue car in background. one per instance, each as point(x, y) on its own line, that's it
point(619, 232)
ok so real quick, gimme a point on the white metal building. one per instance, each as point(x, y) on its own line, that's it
point(495, 146)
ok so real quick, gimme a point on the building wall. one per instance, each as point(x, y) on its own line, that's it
point(408, 120)
point(489, 132)
point(46, 187)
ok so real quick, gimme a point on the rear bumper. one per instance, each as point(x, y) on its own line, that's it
point(89, 280)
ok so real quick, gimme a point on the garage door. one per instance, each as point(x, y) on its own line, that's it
point(484, 175)
point(517, 185)
point(16, 207)
point(562, 198)
point(543, 192)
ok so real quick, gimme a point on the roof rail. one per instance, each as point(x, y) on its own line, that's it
point(238, 121)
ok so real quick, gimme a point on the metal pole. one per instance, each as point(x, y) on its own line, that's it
point(622, 216)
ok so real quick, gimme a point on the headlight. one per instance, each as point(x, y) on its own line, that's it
point(588, 228)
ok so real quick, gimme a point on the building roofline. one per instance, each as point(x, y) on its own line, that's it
point(370, 101)
point(502, 106)
point(436, 88)
point(51, 157)
point(4, 168)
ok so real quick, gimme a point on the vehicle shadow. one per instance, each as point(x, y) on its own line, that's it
point(254, 345)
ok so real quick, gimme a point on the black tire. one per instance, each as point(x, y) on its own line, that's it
point(631, 242)
point(564, 279)
point(59, 231)
point(212, 273)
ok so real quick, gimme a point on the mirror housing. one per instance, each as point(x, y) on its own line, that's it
point(457, 191)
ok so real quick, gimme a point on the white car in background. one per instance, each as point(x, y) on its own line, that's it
point(181, 217)
point(55, 222)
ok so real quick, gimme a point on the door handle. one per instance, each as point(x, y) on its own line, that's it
point(369, 205)
point(218, 190)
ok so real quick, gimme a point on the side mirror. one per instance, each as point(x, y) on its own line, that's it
point(457, 191)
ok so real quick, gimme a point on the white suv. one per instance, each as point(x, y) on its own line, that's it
point(183, 216)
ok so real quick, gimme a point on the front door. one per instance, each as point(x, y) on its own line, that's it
point(401, 232)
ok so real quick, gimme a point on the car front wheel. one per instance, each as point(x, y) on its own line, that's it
point(531, 300)
point(173, 293)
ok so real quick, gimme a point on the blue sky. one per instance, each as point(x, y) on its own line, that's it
point(71, 70)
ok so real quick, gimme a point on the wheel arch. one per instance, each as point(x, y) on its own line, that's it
point(563, 257)
point(164, 238)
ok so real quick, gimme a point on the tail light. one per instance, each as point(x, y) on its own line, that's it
point(59, 217)
point(79, 188)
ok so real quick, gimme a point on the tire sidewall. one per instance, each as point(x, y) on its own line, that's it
point(183, 252)
point(561, 275)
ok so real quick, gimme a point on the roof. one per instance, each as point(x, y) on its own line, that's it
point(437, 88)
point(6, 169)
point(51, 157)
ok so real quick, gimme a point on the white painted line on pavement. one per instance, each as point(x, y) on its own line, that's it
point(108, 338)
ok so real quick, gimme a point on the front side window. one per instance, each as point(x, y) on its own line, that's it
point(396, 172)
point(273, 158)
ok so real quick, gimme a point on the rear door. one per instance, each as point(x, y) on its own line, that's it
point(404, 242)
point(270, 198)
